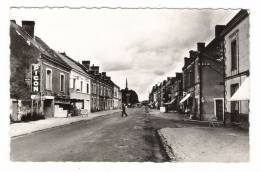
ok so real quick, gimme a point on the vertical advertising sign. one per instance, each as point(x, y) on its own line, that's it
point(36, 78)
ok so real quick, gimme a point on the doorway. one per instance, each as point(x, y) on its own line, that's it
point(48, 108)
point(219, 108)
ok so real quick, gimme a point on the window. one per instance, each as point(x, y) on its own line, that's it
point(81, 86)
point(87, 88)
point(234, 54)
point(62, 82)
point(233, 89)
point(74, 83)
point(48, 79)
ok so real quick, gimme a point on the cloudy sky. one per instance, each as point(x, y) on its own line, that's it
point(143, 45)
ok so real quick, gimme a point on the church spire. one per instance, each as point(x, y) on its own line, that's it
point(126, 85)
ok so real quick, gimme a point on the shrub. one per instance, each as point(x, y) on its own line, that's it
point(32, 117)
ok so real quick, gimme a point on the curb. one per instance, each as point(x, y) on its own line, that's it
point(62, 125)
point(167, 147)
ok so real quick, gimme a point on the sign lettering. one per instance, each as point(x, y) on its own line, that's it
point(35, 78)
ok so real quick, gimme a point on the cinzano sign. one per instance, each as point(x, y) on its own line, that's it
point(36, 78)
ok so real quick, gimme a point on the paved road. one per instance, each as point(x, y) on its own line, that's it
point(106, 138)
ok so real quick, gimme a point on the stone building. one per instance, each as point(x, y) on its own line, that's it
point(169, 95)
point(39, 78)
point(102, 89)
point(203, 82)
point(177, 92)
point(236, 42)
point(153, 97)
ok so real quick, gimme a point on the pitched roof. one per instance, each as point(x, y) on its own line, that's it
point(73, 64)
point(51, 53)
point(38, 43)
point(240, 16)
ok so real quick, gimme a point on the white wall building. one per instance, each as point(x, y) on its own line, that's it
point(236, 42)
point(80, 85)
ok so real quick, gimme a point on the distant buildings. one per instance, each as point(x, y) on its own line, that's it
point(211, 83)
point(45, 83)
point(129, 97)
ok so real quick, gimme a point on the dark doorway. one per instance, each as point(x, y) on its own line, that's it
point(219, 109)
point(48, 108)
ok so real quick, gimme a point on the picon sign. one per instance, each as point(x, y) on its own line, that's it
point(36, 73)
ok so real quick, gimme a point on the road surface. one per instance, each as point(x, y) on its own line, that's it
point(107, 138)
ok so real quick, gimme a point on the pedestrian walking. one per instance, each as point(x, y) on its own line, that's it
point(146, 108)
point(124, 111)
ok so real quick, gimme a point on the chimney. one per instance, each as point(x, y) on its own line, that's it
point(63, 53)
point(92, 67)
point(86, 64)
point(103, 75)
point(186, 61)
point(28, 26)
point(95, 69)
point(200, 46)
point(218, 30)
point(178, 75)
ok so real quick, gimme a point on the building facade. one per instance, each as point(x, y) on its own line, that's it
point(39, 78)
point(116, 103)
point(236, 42)
point(169, 95)
point(79, 85)
point(45, 83)
point(203, 82)
point(102, 90)
point(177, 92)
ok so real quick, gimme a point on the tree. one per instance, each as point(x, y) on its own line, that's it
point(133, 97)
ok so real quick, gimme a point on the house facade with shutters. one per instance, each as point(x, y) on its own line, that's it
point(236, 43)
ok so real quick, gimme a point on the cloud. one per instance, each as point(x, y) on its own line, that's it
point(144, 46)
point(116, 66)
point(159, 72)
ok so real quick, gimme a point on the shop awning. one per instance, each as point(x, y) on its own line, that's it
point(185, 98)
point(243, 92)
point(168, 103)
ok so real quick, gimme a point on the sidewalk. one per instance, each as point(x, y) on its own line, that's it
point(17, 129)
point(197, 142)
point(204, 144)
